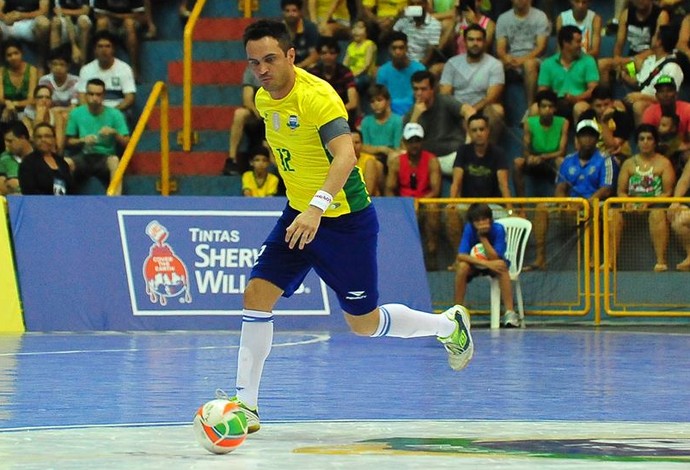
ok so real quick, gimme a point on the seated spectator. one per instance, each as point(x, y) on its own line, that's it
point(151, 30)
point(666, 97)
point(416, 173)
point(585, 173)
point(44, 171)
point(304, 33)
point(570, 73)
point(423, 33)
point(396, 73)
point(544, 141)
point(370, 168)
point(17, 146)
point(360, 58)
point(661, 62)
point(381, 15)
point(247, 123)
point(441, 116)
point(521, 38)
point(647, 174)
point(480, 170)
point(679, 216)
point(669, 140)
point(120, 87)
point(43, 111)
point(381, 130)
point(62, 84)
point(19, 79)
point(27, 21)
point(615, 124)
point(468, 13)
point(259, 182)
point(636, 26)
point(339, 76)
point(331, 17)
point(589, 23)
point(125, 17)
point(94, 131)
point(71, 27)
point(476, 78)
point(481, 229)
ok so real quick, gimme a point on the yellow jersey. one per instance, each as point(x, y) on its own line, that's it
point(269, 188)
point(292, 131)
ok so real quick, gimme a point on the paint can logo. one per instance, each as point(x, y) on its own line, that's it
point(165, 273)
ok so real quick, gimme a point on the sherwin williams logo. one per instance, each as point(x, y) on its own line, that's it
point(165, 273)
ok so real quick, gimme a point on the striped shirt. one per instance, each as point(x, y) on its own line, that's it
point(419, 38)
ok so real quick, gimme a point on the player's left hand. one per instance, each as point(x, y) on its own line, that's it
point(303, 229)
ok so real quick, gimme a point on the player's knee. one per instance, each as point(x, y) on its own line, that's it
point(363, 325)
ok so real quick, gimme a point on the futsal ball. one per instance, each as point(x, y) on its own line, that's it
point(220, 426)
point(478, 251)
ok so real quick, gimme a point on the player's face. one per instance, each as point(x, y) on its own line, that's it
point(646, 143)
point(271, 66)
point(479, 132)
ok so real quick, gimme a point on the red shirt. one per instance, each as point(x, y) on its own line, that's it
point(652, 115)
point(409, 175)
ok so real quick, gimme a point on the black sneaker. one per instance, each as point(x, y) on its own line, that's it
point(230, 168)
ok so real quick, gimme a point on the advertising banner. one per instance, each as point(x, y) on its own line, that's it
point(10, 306)
point(153, 263)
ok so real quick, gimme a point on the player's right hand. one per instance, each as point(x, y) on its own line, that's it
point(303, 229)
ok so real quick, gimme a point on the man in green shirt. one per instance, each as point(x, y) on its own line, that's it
point(17, 146)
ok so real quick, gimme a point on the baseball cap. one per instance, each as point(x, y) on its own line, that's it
point(665, 80)
point(587, 124)
point(412, 129)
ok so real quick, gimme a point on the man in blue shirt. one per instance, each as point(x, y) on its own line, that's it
point(585, 173)
point(482, 251)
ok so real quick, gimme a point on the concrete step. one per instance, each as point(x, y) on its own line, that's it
point(203, 118)
point(209, 141)
point(202, 95)
point(181, 163)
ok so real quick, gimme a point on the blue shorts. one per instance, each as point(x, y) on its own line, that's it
point(343, 254)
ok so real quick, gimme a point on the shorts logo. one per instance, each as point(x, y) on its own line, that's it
point(292, 122)
point(165, 273)
point(356, 295)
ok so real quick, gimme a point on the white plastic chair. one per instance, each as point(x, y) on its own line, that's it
point(517, 234)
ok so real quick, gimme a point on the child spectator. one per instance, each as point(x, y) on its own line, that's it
point(381, 130)
point(360, 57)
point(259, 182)
point(62, 84)
point(669, 141)
point(481, 229)
point(370, 168)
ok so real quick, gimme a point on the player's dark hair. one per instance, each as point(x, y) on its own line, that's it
point(268, 28)
point(479, 211)
point(18, 128)
point(421, 75)
point(647, 128)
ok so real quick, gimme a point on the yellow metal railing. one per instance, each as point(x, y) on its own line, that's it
point(160, 90)
point(187, 75)
point(247, 7)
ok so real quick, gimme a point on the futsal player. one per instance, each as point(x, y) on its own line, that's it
point(329, 223)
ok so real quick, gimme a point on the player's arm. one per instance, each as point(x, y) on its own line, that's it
point(303, 229)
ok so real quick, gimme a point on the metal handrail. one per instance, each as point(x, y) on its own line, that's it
point(160, 90)
point(187, 76)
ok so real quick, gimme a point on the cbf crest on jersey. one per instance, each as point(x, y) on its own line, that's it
point(293, 123)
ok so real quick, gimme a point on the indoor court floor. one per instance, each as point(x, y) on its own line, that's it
point(576, 398)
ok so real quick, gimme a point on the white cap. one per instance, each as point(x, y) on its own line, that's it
point(412, 129)
point(587, 124)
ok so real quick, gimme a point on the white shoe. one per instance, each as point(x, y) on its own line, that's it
point(459, 344)
point(511, 319)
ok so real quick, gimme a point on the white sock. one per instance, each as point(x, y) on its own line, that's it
point(255, 344)
point(403, 322)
